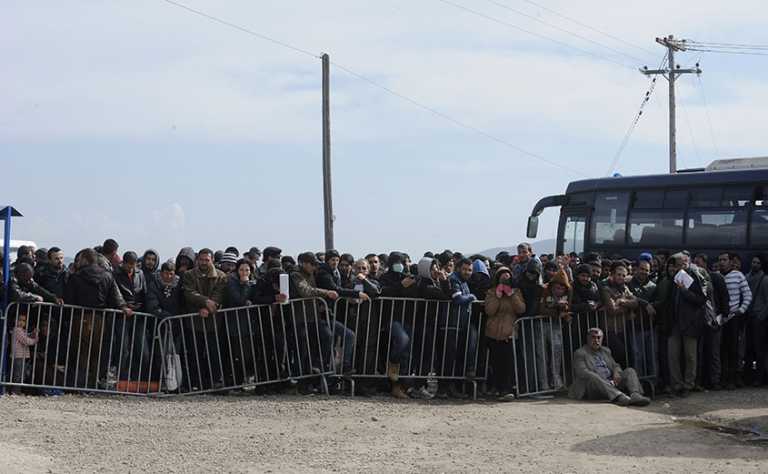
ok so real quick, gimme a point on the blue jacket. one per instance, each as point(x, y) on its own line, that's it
point(460, 292)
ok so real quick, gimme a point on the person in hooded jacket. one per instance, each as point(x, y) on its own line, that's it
point(555, 305)
point(480, 281)
point(503, 305)
point(433, 282)
point(185, 261)
point(150, 262)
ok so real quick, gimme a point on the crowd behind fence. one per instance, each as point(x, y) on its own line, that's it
point(444, 326)
point(430, 342)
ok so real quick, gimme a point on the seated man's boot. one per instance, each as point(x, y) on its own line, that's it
point(621, 400)
point(638, 400)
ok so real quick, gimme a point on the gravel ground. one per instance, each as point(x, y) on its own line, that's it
point(287, 434)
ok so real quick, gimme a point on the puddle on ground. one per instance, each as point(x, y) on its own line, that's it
point(749, 435)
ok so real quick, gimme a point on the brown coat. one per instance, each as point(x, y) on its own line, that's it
point(199, 287)
point(502, 312)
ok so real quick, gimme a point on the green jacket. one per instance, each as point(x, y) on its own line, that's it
point(199, 287)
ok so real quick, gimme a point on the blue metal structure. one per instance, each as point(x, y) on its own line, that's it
point(6, 214)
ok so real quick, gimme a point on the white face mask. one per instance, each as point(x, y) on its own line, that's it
point(398, 268)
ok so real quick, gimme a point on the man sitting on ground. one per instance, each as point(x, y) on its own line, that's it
point(596, 376)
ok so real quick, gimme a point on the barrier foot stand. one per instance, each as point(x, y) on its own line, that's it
point(324, 385)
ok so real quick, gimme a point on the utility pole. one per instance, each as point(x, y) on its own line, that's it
point(327, 201)
point(671, 73)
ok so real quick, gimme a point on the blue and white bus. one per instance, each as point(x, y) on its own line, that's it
point(721, 207)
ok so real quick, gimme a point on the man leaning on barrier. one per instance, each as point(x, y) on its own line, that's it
point(596, 376)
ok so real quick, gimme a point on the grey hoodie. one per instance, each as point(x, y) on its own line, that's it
point(185, 252)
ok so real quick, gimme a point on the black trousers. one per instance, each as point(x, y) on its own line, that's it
point(502, 358)
point(729, 352)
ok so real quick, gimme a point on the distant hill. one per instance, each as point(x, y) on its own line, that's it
point(540, 247)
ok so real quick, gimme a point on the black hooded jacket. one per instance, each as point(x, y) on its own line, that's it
point(164, 300)
point(93, 287)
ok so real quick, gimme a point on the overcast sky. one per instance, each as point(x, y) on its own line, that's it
point(147, 123)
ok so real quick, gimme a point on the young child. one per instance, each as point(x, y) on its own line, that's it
point(21, 363)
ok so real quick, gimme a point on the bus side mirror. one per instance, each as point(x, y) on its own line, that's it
point(533, 227)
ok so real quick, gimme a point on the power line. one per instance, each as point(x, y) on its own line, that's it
point(453, 120)
point(584, 25)
point(690, 131)
point(635, 121)
point(243, 29)
point(723, 51)
point(577, 35)
point(399, 95)
point(709, 118)
point(533, 33)
point(728, 45)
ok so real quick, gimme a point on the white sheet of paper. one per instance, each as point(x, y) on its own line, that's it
point(285, 285)
point(684, 278)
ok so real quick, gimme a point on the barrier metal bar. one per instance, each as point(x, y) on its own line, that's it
point(246, 347)
point(74, 350)
point(631, 340)
point(427, 339)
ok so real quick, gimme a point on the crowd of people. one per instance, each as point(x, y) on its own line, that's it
point(708, 321)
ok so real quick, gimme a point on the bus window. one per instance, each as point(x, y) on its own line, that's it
point(760, 229)
point(649, 199)
point(609, 218)
point(573, 234)
point(675, 199)
point(656, 227)
point(724, 227)
point(737, 196)
point(706, 197)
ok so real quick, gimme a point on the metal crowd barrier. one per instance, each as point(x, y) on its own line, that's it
point(544, 348)
point(101, 350)
point(246, 347)
point(77, 349)
point(420, 339)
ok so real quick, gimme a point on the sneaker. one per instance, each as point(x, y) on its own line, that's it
point(420, 393)
point(716, 387)
point(636, 399)
point(509, 397)
point(621, 400)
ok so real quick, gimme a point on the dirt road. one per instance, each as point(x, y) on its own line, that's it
point(291, 434)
